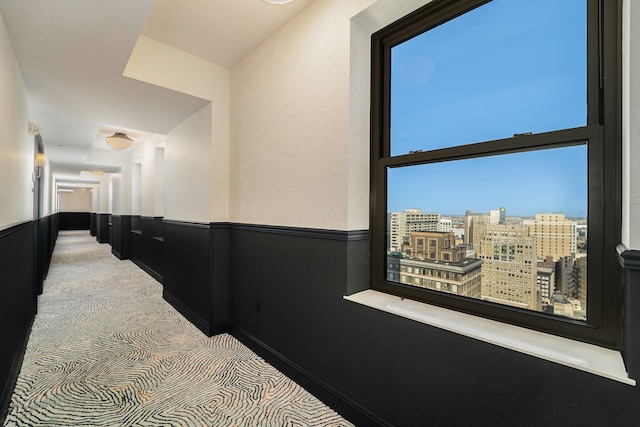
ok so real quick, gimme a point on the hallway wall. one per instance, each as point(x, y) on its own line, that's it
point(187, 170)
point(290, 104)
point(79, 200)
point(18, 270)
point(296, 243)
point(291, 174)
point(16, 145)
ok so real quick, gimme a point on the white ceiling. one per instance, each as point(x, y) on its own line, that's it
point(72, 54)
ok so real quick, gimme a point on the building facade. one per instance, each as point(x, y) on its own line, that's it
point(431, 260)
point(509, 271)
point(401, 224)
point(555, 235)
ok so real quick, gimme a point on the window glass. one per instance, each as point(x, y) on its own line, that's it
point(508, 67)
point(519, 217)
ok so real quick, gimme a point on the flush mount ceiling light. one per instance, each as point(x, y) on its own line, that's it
point(278, 1)
point(119, 141)
point(97, 172)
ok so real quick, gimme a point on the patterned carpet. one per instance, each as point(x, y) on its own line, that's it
point(107, 350)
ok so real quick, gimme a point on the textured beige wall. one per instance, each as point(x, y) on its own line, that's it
point(16, 145)
point(289, 159)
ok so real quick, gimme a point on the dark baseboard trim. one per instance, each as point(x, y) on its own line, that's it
point(119, 256)
point(102, 240)
point(304, 232)
point(192, 317)
point(9, 386)
point(629, 259)
point(151, 272)
point(331, 397)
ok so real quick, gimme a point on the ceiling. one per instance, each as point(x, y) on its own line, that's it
point(72, 54)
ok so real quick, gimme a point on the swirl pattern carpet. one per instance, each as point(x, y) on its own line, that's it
point(107, 350)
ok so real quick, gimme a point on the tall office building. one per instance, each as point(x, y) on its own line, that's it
point(494, 216)
point(509, 269)
point(565, 277)
point(555, 235)
point(473, 221)
point(580, 274)
point(546, 279)
point(401, 224)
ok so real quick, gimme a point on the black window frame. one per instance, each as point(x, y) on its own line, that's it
point(603, 132)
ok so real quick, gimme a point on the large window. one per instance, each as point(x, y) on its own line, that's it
point(495, 162)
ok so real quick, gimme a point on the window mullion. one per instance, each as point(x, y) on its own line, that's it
point(560, 138)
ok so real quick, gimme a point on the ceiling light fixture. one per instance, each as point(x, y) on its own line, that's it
point(278, 1)
point(97, 172)
point(119, 141)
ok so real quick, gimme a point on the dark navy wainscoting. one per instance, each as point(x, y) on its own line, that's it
point(286, 295)
point(120, 236)
point(93, 224)
point(196, 272)
point(47, 233)
point(146, 244)
point(102, 228)
point(25, 255)
point(75, 220)
point(630, 260)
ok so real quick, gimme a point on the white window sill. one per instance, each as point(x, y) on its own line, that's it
point(586, 357)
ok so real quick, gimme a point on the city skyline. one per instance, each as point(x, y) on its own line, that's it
point(524, 183)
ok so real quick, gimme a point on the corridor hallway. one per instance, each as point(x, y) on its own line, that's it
point(106, 350)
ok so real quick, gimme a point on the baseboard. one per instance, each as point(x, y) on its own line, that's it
point(150, 271)
point(189, 314)
point(343, 405)
point(9, 386)
point(119, 255)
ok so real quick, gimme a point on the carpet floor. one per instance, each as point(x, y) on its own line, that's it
point(106, 350)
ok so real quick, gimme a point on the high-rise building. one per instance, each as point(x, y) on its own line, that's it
point(445, 224)
point(494, 216)
point(565, 278)
point(555, 235)
point(431, 260)
point(546, 278)
point(473, 221)
point(503, 215)
point(401, 224)
point(509, 269)
point(580, 274)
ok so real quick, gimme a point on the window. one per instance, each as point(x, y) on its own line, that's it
point(505, 101)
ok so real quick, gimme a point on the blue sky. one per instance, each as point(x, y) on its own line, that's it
point(507, 67)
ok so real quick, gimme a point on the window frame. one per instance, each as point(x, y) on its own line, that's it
point(603, 133)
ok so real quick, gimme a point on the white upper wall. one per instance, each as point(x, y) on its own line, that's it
point(166, 66)
point(158, 186)
point(187, 169)
point(144, 191)
point(16, 145)
point(79, 200)
point(290, 152)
